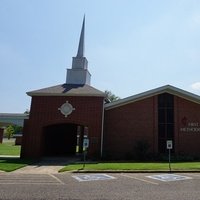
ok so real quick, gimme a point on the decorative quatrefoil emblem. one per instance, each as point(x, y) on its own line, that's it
point(66, 109)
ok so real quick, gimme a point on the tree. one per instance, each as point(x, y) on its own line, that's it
point(9, 131)
point(12, 129)
point(110, 97)
point(27, 111)
point(17, 129)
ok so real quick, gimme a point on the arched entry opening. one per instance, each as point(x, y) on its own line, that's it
point(63, 139)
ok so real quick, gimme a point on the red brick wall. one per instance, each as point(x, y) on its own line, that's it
point(187, 116)
point(44, 111)
point(125, 125)
point(18, 140)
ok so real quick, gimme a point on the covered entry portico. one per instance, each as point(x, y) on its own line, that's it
point(64, 139)
point(48, 132)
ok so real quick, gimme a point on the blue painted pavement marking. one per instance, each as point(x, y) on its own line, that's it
point(93, 177)
point(169, 177)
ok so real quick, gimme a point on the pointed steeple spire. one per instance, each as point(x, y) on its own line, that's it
point(79, 73)
point(81, 46)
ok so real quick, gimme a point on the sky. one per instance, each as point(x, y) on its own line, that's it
point(131, 45)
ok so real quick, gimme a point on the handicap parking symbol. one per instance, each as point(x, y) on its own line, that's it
point(169, 177)
point(93, 177)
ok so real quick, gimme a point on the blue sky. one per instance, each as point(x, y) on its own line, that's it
point(131, 45)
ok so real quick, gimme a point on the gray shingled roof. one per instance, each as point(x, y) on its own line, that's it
point(67, 90)
point(167, 88)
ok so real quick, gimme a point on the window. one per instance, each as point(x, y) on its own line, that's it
point(165, 120)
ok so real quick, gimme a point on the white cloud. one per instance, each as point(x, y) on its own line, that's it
point(196, 86)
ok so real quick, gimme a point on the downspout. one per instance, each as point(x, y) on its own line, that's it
point(102, 129)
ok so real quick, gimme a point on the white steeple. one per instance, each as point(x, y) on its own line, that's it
point(79, 73)
point(81, 46)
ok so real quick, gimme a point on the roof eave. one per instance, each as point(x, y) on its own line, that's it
point(31, 94)
point(168, 88)
point(15, 115)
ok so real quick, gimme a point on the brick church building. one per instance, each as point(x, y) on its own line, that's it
point(62, 116)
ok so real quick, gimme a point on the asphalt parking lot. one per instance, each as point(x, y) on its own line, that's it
point(114, 186)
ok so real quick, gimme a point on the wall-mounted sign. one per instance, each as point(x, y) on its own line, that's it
point(189, 126)
point(66, 109)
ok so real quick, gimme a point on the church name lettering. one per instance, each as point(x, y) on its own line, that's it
point(191, 127)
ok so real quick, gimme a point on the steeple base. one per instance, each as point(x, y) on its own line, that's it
point(78, 76)
point(79, 63)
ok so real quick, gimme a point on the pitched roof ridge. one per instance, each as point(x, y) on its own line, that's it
point(166, 88)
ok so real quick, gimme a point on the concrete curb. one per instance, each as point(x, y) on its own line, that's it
point(8, 156)
point(133, 171)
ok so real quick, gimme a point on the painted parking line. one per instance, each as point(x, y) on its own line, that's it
point(198, 175)
point(57, 179)
point(139, 179)
point(44, 179)
point(169, 177)
point(93, 177)
point(193, 175)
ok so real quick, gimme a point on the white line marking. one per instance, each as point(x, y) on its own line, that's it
point(25, 183)
point(196, 175)
point(57, 179)
point(139, 179)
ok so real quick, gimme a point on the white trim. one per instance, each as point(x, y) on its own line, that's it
point(66, 109)
point(63, 94)
point(167, 88)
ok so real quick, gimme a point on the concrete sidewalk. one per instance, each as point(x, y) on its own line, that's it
point(46, 166)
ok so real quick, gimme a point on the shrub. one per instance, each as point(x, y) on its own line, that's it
point(141, 149)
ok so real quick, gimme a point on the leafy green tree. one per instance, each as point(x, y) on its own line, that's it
point(110, 97)
point(9, 131)
point(17, 129)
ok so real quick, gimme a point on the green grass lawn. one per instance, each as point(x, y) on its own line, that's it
point(11, 164)
point(134, 166)
point(9, 148)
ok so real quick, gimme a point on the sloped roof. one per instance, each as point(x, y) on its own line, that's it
point(12, 118)
point(67, 90)
point(14, 115)
point(167, 88)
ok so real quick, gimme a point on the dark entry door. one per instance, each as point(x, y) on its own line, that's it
point(60, 140)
